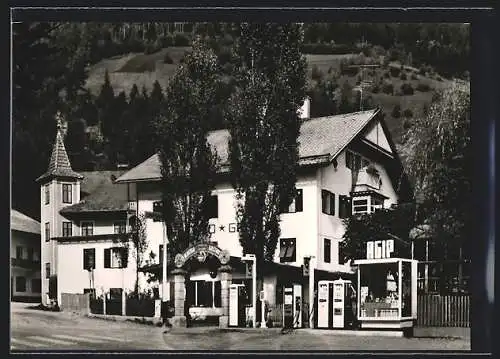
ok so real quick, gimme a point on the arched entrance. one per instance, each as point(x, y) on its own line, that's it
point(202, 253)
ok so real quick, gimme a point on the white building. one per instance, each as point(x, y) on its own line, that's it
point(25, 257)
point(348, 164)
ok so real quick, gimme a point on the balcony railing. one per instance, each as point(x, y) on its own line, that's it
point(25, 263)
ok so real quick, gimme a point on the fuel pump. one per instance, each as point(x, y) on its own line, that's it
point(292, 306)
point(325, 299)
point(342, 303)
point(237, 305)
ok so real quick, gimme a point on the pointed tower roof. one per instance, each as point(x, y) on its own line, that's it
point(59, 165)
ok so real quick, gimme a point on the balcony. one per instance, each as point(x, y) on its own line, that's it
point(368, 179)
point(25, 263)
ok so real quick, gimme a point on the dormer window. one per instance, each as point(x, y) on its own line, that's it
point(367, 202)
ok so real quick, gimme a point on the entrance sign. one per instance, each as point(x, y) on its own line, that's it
point(201, 251)
point(379, 249)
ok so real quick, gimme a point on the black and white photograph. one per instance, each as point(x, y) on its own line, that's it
point(240, 186)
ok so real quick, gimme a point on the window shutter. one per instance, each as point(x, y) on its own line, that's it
point(85, 259)
point(124, 256)
point(107, 258)
point(298, 201)
point(332, 203)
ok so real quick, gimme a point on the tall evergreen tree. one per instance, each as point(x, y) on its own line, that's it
point(188, 164)
point(104, 102)
point(264, 127)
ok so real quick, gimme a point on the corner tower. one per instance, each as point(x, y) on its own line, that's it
point(59, 187)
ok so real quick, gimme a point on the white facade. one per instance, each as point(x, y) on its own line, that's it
point(25, 270)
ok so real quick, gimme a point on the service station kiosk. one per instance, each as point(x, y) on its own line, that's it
point(387, 288)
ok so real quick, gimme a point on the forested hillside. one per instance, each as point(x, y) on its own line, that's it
point(108, 81)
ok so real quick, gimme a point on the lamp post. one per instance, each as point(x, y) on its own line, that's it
point(251, 258)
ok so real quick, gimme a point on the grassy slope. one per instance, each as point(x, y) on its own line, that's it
point(143, 70)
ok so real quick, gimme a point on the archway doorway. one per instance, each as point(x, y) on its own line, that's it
point(201, 286)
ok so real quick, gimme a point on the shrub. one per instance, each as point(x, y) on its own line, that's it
point(181, 40)
point(166, 41)
point(395, 71)
point(407, 89)
point(396, 111)
point(423, 87)
point(414, 76)
point(376, 89)
point(167, 59)
point(388, 88)
point(408, 113)
point(422, 70)
point(403, 76)
point(406, 124)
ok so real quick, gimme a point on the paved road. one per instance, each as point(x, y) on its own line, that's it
point(35, 330)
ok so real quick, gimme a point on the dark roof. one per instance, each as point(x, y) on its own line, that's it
point(59, 165)
point(100, 193)
point(320, 140)
point(23, 223)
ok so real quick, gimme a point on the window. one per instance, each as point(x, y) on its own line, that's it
point(66, 193)
point(116, 257)
point(88, 258)
point(287, 250)
point(345, 206)
point(327, 202)
point(212, 207)
point(297, 203)
point(120, 227)
point(355, 161)
point(87, 228)
point(376, 204)
point(379, 290)
point(202, 293)
point(47, 232)
point(327, 250)
point(47, 194)
point(67, 229)
point(36, 285)
point(47, 270)
point(19, 252)
point(20, 284)
point(360, 206)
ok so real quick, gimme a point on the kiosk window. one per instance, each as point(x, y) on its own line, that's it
point(287, 250)
point(379, 292)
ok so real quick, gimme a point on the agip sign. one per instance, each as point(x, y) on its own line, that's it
point(379, 249)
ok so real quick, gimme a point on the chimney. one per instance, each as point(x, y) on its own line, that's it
point(305, 110)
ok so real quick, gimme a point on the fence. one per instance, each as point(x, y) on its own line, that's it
point(75, 303)
point(443, 310)
point(112, 305)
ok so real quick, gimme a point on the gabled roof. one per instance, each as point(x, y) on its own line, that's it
point(320, 140)
point(23, 223)
point(59, 165)
point(100, 194)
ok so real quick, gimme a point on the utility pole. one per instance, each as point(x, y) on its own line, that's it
point(364, 83)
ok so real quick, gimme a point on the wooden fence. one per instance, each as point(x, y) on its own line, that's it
point(434, 310)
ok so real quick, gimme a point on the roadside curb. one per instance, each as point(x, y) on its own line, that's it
point(131, 319)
